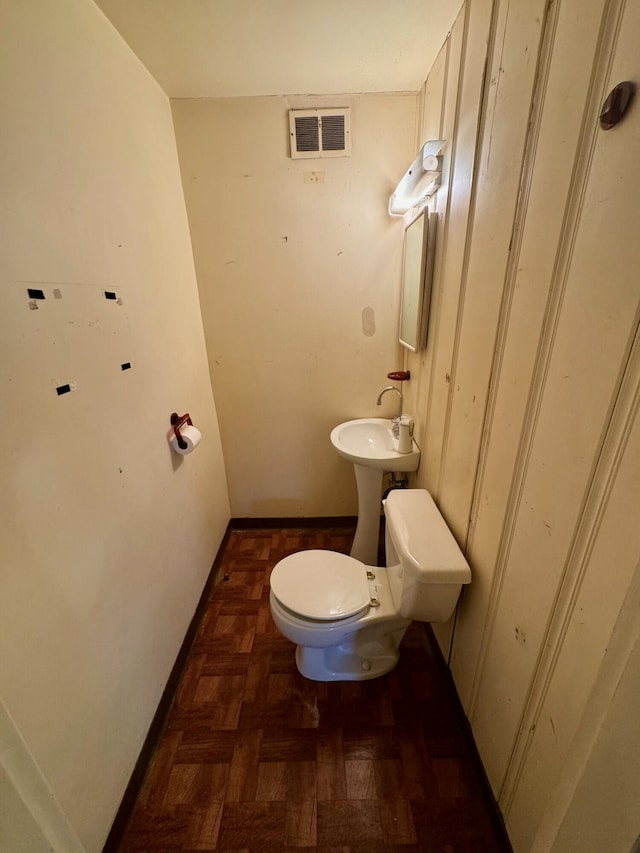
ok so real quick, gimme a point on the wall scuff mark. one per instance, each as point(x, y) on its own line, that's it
point(368, 322)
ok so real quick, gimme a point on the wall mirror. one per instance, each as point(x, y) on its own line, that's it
point(417, 273)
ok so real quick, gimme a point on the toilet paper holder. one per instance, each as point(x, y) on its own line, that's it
point(177, 422)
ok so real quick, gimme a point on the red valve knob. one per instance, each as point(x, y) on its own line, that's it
point(399, 375)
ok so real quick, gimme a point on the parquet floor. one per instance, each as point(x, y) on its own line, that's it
point(256, 758)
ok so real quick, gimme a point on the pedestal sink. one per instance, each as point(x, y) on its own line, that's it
point(370, 444)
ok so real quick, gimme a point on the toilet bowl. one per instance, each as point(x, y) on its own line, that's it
point(347, 619)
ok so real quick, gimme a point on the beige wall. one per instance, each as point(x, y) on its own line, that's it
point(106, 537)
point(286, 269)
point(526, 402)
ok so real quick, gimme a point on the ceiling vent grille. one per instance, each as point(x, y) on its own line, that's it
point(320, 133)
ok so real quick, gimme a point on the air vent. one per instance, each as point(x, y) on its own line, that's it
point(320, 133)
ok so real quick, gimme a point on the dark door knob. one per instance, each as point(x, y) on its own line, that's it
point(616, 105)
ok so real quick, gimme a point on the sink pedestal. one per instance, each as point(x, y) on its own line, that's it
point(365, 542)
point(369, 443)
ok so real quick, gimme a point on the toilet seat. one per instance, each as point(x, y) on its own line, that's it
point(324, 586)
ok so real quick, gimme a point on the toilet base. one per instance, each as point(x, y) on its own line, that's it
point(318, 665)
point(357, 660)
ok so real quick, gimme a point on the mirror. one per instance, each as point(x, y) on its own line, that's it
point(417, 272)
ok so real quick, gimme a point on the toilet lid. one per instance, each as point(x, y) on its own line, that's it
point(322, 585)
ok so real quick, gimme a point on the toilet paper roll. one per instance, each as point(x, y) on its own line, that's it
point(191, 435)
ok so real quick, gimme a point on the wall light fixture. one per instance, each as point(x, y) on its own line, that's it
point(421, 179)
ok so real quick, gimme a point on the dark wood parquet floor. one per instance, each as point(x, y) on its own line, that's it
point(255, 757)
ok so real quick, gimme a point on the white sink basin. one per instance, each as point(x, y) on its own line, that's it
point(370, 442)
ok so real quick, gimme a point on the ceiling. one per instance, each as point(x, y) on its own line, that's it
point(233, 48)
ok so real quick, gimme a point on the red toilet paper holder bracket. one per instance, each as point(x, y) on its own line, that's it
point(177, 422)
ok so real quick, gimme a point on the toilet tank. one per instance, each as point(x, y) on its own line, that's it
point(425, 564)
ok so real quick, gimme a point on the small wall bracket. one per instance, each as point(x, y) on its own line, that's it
point(177, 422)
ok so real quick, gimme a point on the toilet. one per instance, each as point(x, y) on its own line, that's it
point(347, 619)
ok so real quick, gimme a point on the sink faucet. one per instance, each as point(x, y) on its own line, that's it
point(396, 421)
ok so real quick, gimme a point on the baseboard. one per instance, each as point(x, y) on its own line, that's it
point(132, 791)
point(269, 523)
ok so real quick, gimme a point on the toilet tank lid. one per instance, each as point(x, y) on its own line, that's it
point(423, 542)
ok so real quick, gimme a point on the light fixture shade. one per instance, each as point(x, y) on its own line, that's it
point(421, 179)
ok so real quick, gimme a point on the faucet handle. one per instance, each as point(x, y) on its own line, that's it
point(399, 375)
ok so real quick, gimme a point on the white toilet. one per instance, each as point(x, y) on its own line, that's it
point(348, 619)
